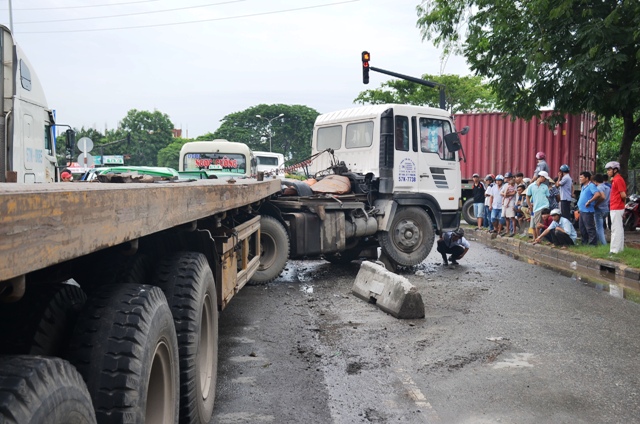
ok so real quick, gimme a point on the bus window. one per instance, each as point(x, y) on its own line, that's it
point(432, 132)
point(402, 133)
point(329, 138)
point(229, 162)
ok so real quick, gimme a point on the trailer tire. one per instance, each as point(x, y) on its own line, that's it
point(36, 389)
point(274, 250)
point(42, 321)
point(188, 283)
point(126, 349)
point(468, 214)
point(410, 237)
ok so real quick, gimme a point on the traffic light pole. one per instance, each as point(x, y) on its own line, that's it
point(443, 103)
point(366, 56)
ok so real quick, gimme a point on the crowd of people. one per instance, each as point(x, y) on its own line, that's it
point(541, 207)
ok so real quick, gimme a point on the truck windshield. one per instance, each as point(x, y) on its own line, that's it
point(432, 132)
point(228, 162)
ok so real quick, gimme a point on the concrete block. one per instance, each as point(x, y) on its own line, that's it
point(392, 293)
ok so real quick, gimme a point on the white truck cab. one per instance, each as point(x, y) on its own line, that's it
point(28, 152)
point(270, 163)
point(403, 146)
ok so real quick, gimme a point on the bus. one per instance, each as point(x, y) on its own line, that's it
point(219, 158)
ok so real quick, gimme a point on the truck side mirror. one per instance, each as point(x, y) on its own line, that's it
point(465, 130)
point(453, 142)
point(71, 139)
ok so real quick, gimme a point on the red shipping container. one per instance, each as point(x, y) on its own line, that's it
point(495, 144)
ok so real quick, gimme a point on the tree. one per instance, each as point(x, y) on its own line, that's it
point(149, 132)
point(290, 134)
point(463, 94)
point(170, 156)
point(609, 137)
point(575, 55)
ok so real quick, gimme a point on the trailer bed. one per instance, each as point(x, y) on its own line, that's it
point(42, 225)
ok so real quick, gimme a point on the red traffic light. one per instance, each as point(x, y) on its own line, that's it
point(365, 67)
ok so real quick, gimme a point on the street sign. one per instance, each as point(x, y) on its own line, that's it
point(86, 160)
point(85, 144)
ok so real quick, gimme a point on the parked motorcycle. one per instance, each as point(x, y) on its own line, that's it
point(631, 216)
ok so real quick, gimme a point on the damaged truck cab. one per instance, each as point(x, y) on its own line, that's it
point(401, 166)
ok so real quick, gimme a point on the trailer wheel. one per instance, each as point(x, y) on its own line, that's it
point(125, 348)
point(35, 389)
point(410, 238)
point(468, 214)
point(42, 321)
point(274, 250)
point(187, 281)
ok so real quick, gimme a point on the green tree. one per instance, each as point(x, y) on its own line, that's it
point(575, 55)
point(150, 132)
point(609, 137)
point(170, 156)
point(463, 94)
point(290, 134)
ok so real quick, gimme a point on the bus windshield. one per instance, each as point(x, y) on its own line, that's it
point(227, 162)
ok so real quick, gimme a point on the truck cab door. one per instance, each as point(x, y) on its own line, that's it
point(438, 168)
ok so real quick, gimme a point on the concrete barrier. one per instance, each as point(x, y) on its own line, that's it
point(390, 292)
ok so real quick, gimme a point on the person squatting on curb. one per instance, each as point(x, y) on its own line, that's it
point(561, 230)
point(453, 243)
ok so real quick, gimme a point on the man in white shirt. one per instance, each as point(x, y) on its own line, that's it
point(561, 229)
point(453, 243)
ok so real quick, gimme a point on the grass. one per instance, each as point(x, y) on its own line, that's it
point(629, 256)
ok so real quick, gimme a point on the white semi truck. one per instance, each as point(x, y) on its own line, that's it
point(400, 175)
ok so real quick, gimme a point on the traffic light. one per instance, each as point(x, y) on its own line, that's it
point(365, 67)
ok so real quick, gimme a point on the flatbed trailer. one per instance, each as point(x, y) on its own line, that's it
point(113, 291)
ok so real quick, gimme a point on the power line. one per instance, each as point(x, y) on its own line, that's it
point(134, 13)
point(194, 22)
point(84, 6)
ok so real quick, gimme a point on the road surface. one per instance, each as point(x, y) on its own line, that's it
point(503, 341)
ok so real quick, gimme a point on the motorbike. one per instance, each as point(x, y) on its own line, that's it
point(631, 216)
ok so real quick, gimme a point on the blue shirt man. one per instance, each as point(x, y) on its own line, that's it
point(586, 205)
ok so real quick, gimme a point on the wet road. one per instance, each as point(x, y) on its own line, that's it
point(502, 342)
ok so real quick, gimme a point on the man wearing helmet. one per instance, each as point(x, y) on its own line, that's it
point(617, 199)
point(565, 185)
point(561, 230)
point(496, 205)
point(542, 165)
point(453, 243)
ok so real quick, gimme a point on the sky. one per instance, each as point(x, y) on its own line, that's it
point(199, 60)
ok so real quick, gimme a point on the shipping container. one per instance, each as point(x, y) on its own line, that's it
point(497, 144)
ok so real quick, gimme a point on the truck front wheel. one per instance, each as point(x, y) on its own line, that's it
point(274, 250)
point(126, 349)
point(187, 281)
point(410, 238)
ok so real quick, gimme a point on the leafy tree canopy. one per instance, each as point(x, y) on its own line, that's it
point(289, 134)
point(575, 55)
point(150, 132)
point(170, 156)
point(463, 94)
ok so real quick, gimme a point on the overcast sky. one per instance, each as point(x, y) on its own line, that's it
point(199, 60)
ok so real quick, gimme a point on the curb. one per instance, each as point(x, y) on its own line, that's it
point(591, 269)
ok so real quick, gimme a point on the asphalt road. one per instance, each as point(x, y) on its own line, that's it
point(503, 341)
